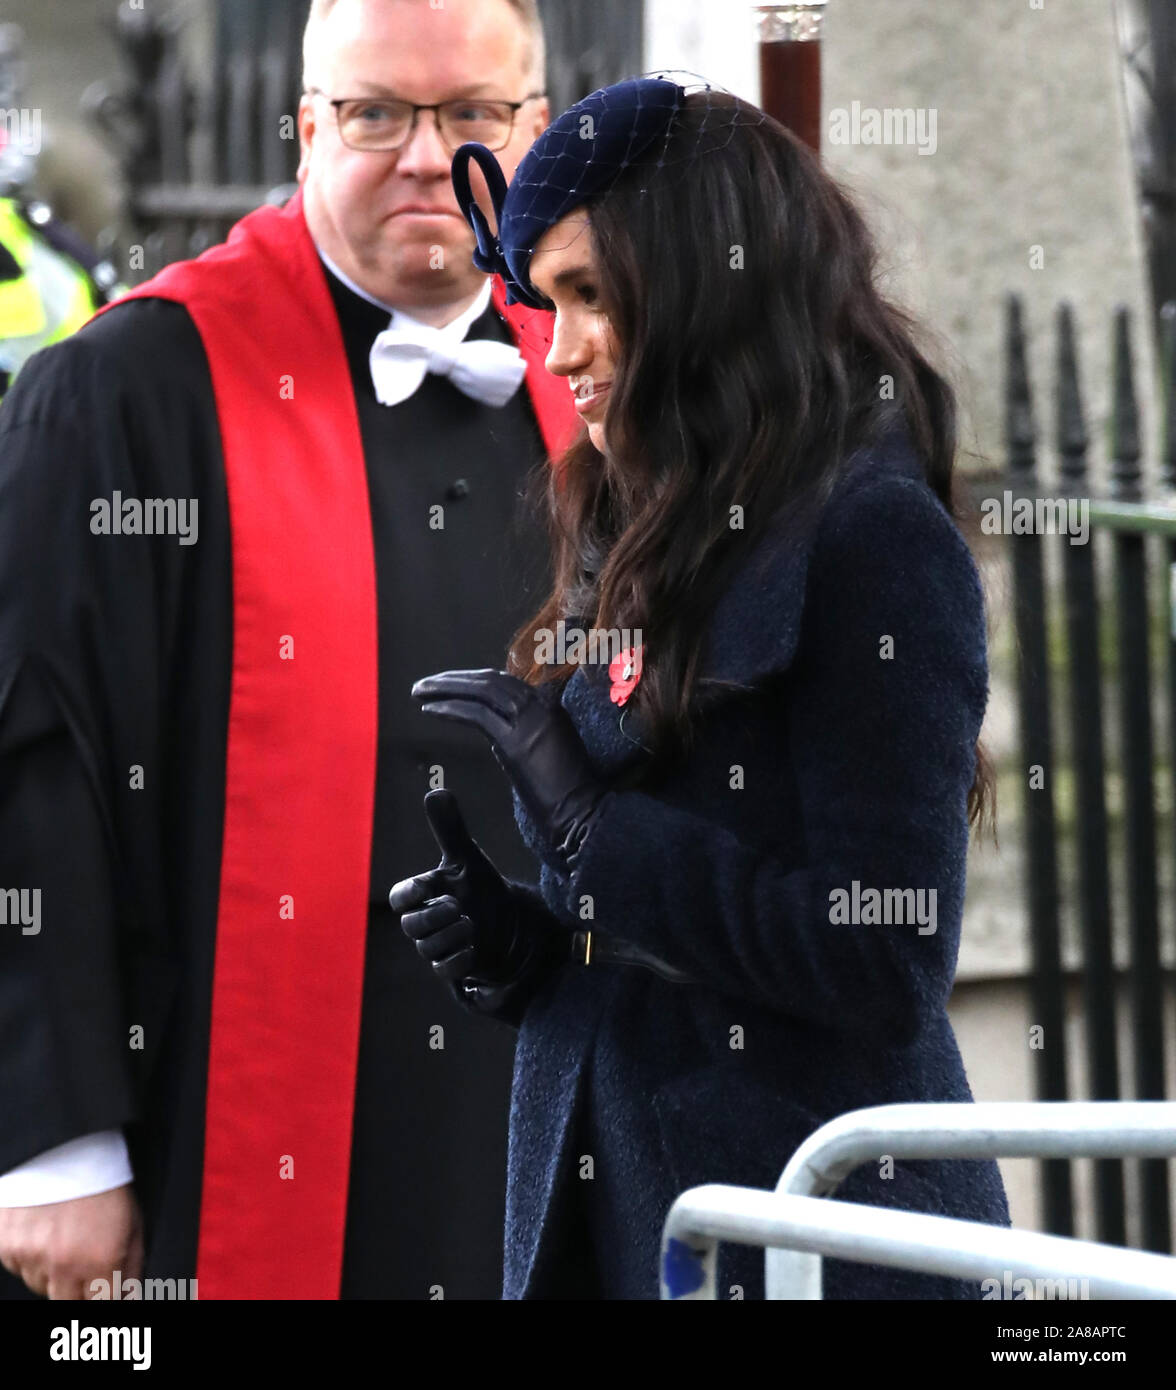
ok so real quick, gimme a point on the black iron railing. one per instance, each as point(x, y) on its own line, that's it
point(1128, 532)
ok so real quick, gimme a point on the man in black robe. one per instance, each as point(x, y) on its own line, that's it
point(116, 654)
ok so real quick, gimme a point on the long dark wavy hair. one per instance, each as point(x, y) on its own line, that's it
point(744, 388)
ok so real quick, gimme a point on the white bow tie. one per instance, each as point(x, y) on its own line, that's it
point(490, 372)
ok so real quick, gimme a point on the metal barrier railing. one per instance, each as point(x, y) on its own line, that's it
point(800, 1226)
point(817, 1226)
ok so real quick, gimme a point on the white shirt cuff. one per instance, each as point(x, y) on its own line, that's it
point(78, 1168)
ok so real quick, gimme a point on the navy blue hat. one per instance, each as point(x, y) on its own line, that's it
point(576, 158)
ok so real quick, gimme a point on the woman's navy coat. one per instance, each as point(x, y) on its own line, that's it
point(846, 755)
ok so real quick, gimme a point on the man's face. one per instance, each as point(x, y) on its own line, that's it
point(360, 204)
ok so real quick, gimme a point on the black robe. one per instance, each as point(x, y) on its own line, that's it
point(115, 652)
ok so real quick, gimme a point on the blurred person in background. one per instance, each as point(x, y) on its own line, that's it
point(50, 281)
point(46, 291)
point(243, 508)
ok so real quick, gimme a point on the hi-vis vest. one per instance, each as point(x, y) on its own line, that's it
point(44, 296)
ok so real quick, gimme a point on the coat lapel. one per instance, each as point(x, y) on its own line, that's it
point(753, 633)
point(611, 733)
point(755, 628)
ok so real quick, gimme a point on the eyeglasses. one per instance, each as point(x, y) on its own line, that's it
point(377, 124)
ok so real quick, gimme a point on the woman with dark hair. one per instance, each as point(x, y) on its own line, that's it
point(752, 829)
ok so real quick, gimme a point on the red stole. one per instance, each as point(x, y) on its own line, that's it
point(300, 778)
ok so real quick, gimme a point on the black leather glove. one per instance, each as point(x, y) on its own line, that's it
point(536, 746)
point(462, 915)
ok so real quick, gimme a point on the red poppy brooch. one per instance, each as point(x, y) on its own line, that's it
point(624, 671)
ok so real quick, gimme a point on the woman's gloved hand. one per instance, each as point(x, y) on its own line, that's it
point(462, 914)
point(536, 746)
